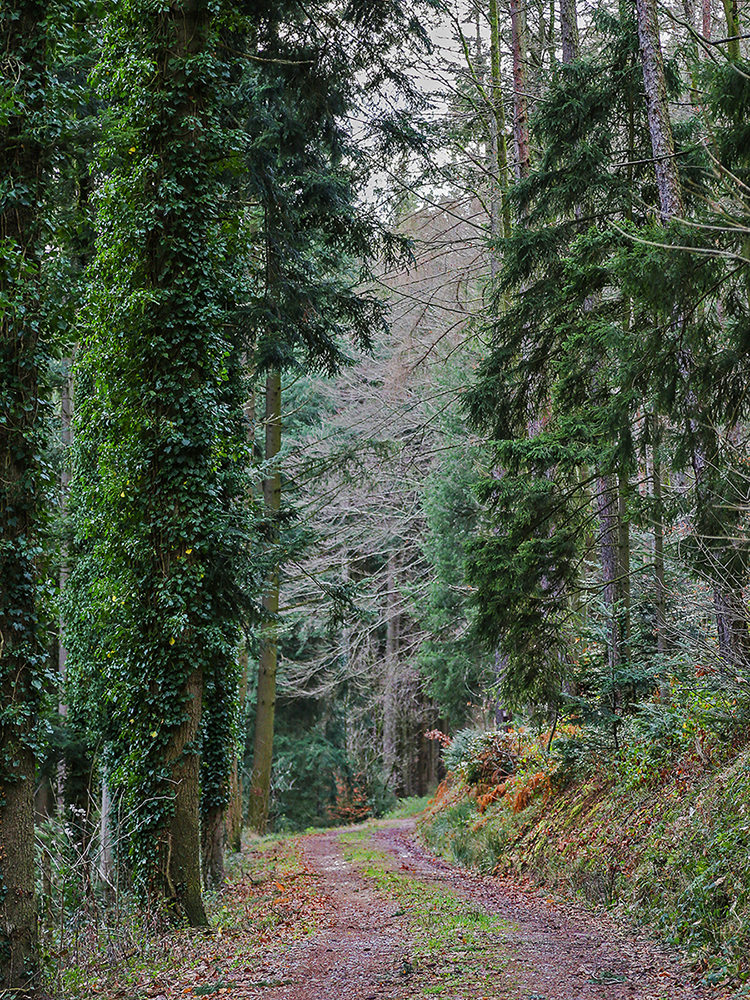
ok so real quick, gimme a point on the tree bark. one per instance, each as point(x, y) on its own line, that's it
point(180, 854)
point(106, 855)
point(569, 30)
point(212, 836)
point(22, 660)
point(660, 125)
point(731, 12)
point(609, 548)
point(234, 813)
point(266, 707)
point(623, 563)
point(175, 261)
point(732, 627)
point(234, 817)
point(660, 601)
point(391, 706)
point(520, 103)
point(731, 616)
point(501, 221)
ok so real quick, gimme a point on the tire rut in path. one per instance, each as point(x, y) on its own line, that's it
point(559, 951)
point(361, 954)
point(552, 951)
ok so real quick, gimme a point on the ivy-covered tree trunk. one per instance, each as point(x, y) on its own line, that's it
point(233, 816)
point(159, 429)
point(260, 786)
point(22, 657)
point(217, 762)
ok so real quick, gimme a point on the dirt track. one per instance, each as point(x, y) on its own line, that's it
point(548, 952)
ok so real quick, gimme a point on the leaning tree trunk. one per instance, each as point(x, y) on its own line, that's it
point(22, 658)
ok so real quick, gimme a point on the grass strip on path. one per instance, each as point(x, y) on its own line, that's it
point(457, 946)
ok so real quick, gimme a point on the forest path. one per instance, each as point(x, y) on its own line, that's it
point(404, 924)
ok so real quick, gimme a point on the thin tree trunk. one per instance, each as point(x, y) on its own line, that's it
point(66, 439)
point(520, 103)
point(659, 575)
point(623, 564)
point(731, 617)
point(391, 707)
point(501, 221)
point(660, 125)
point(266, 707)
point(569, 30)
point(106, 857)
point(732, 628)
point(731, 12)
point(609, 547)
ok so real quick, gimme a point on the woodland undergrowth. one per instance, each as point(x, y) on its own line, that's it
point(270, 899)
point(656, 831)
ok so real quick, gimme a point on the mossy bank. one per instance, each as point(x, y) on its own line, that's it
point(667, 846)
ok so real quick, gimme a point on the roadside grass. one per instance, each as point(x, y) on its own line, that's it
point(455, 943)
point(409, 808)
point(270, 900)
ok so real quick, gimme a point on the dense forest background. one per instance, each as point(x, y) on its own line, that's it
point(369, 373)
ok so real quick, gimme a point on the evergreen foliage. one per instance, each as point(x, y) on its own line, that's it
point(186, 210)
point(587, 359)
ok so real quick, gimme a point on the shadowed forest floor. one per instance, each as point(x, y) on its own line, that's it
point(367, 913)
